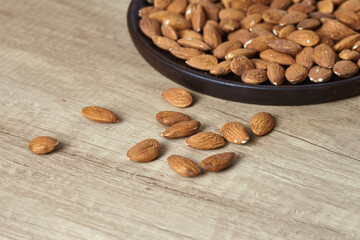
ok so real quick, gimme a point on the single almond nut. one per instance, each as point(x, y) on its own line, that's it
point(254, 76)
point(198, 19)
point(211, 34)
point(218, 161)
point(304, 7)
point(185, 53)
point(273, 15)
point(351, 55)
point(99, 114)
point(306, 38)
point(205, 140)
point(43, 145)
point(335, 30)
point(347, 43)
point(305, 57)
point(177, 6)
point(231, 13)
point(257, 8)
point(250, 21)
point(259, 43)
point(349, 18)
point(182, 129)
point(235, 132)
point(240, 64)
point(260, 63)
point(308, 24)
point(229, 25)
point(262, 123)
point(345, 68)
point(163, 4)
point(187, 33)
point(211, 10)
point(169, 32)
point(146, 11)
point(263, 29)
point(222, 49)
point(292, 18)
point(179, 23)
point(285, 31)
point(242, 5)
point(203, 62)
point(160, 15)
point(144, 151)
point(164, 43)
point(319, 74)
point(324, 56)
point(276, 73)
point(183, 166)
point(353, 5)
point(222, 68)
point(296, 73)
point(285, 46)
point(189, 11)
point(281, 4)
point(325, 6)
point(150, 27)
point(194, 43)
point(241, 35)
point(247, 52)
point(169, 118)
point(177, 97)
point(275, 56)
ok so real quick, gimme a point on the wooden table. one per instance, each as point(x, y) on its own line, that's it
point(302, 181)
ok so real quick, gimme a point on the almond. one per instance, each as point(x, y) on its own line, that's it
point(242, 5)
point(285, 46)
point(262, 123)
point(296, 73)
point(349, 18)
point(351, 55)
point(229, 25)
point(160, 15)
point(43, 145)
point(198, 19)
point(305, 57)
point(324, 56)
point(335, 30)
point(263, 29)
point(352, 5)
point(250, 21)
point(187, 33)
point(241, 35)
point(182, 129)
point(254, 76)
point(189, 11)
point(211, 35)
point(306, 38)
point(292, 18)
point(235, 132)
point(259, 43)
point(308, 24)
point(346, 43)
point(285, 31)
point(240, 64)
point(179, 23)
point(319, 74)
point(146, 11)
point(169, 118)
point(99, 114)
point(247, 52)
point(328, 41)
point(221, 50)
point(185, 53)
point(281, 4)
point(260, 63)
point(150, 27)
point(177, 6)
point(203, 62)
point(275, 56)
point(194, 43)
point(183, 166)
point(276, 73)
point(162, 3)
point(164, 43)
point(177, 97)
point(144, 151)
point(257, 8)
point(205, 140)
point(169, 32)
point(319, 15)
point(325, 6)
point(222, 68)
point(304, 7)
point(212, 12)
point(345, 68)
point(273, 15)
point(231, 13)
point(218, 161)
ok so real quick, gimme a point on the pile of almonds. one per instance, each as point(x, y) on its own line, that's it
point(180, 125)
point(259, 40)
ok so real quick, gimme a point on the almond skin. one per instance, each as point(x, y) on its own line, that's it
point(177, 97)
point(254, 76)
point(146, 11)
point(182, 129)
point(169, 32)
point(205, 140)
point(144, 151)
point(250, 21)
point(211, 34)
point(221, 50)
point(164, 43)
point(346, 43)
point(324, 56)
point(42, 145)
point(292, 18)
point(241, 35)
point(336, 30)
point(185, 53)
point(222, 68)
point(187, 33)
point(218, 161)
point(240, 64)
point(231, 13)
point(179, 23)
point(99, 114)
point(194, 43)
point(306, 38)
point(150, 27)
point(351, 55)
point(319, 74)
point(305, 57)
point(198, 19)
point(234, 132)
point(262, 123)
point(177, 6)
point(260, 63)
point(183, 166)
point(309, 24)
point(273, 15)
point(285, 31)
point(169, 118)
point(345, 68)
point(259, 43)
point(275, 56)
point(296, 73)
point(285, 46)
point(276, 73)
point(203, 62)
point(247, 52)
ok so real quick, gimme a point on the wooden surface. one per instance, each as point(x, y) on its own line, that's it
point(302, 181)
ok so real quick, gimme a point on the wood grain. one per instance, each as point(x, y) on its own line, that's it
point(299, 182)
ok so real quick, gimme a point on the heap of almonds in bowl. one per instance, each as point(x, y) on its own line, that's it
point(260, 41)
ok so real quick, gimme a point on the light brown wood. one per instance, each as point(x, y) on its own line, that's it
point(302, 181)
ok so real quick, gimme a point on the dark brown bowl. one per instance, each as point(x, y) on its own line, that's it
point(230, 87)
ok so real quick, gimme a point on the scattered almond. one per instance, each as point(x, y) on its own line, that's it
point(183, 166)
point(262, 123)
point(169, 118)
point(144, 151)
point(99, 114)
point(43, 145)
point(182, 129)
point(218, 161)
point(235, 132)
point(177, 97)
point(205, 140)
